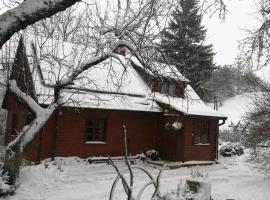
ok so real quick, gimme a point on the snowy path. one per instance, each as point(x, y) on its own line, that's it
point(74, 179)
point(240, 180)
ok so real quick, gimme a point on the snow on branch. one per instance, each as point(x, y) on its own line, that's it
point(94, 61)
point(84, 66)
point(26, 98)
point(29, 132)
point(29, 12)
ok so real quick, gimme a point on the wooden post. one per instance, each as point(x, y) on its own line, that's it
point(125, 141)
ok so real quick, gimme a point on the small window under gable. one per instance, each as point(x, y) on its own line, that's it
point(180, 90)
point(172, 88)
point(95, 130)
point(164, 88)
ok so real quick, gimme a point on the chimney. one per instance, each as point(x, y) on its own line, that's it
point(121, 50)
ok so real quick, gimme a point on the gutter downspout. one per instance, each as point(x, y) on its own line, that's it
point(217, 136)
point(223, 122)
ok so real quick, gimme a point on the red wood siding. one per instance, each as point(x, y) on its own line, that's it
point(70, 140)
point(15, 107)
point(200, 152)
point(145, 131)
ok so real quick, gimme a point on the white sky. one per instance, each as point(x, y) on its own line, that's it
point(225, 34)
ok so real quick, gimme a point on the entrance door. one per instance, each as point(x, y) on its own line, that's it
point(169, 144)
point(172, 141)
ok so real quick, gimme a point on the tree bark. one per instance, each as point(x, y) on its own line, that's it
point(13, 161)
point(16, 148)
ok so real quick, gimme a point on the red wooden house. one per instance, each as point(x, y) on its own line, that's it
point(159, 108)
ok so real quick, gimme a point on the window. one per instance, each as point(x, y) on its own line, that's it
point(168, 88)
point(180, 90)
point(164, 88)
point(172, 89)
point(200, 131)
point(95, 130)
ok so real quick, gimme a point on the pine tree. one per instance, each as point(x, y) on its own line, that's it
point(183, 44)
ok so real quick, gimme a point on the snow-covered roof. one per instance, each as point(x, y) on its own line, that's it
point(191, 104)
point(124, 87)
point(119, 85)
point(161, 70)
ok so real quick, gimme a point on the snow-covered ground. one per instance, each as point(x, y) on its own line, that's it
point(75, 179)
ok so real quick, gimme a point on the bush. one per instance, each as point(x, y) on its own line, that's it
point(261, 156)
point(152, 154)
point(229, 149)
point(193, 189)
point(5, 187)
point(257, 135)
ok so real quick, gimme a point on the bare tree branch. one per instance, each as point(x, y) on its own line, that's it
point(29, 12)
point(25, 98)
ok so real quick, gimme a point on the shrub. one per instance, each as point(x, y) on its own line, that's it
point(190, 189)
point(261, 156)
point(257, 135)
point(229, 149)
point(5, 187)
point(152, 154)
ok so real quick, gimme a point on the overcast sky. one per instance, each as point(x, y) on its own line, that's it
point(225, 34)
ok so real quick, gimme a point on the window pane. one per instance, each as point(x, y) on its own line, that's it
point(196, 132)
point(95, 130)
point(89, 130)
point(100, 130)
point(180, 90)
point(204, 138)
point(200, 131)
point(172, 90)
point(204, 133)
point(164, 88)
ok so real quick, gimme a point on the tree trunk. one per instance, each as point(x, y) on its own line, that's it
point(14, 152)
point(13, 161)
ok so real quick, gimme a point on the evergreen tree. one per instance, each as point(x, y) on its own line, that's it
point(183, 44)
point(228, 81)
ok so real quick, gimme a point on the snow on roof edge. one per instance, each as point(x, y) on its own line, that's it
point(191, 105)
